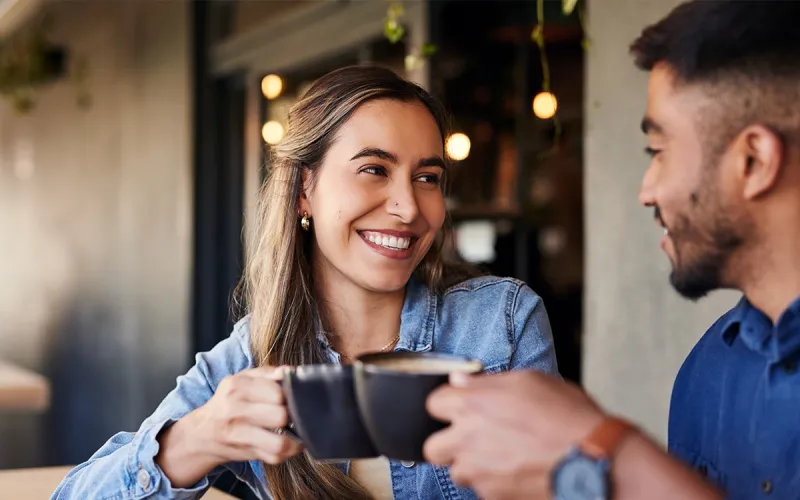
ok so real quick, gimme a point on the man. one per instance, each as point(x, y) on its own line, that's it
point(723, 130)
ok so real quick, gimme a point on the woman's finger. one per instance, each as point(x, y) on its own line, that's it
point(255, 443)
point(269, 372)
point(266, 415)
point(246, 387)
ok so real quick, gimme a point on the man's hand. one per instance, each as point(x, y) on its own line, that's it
point(508, 431)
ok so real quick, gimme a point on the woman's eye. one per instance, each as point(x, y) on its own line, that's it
point(375, 170)
point(429, 178)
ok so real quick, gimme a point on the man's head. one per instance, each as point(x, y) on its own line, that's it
point(723, 129)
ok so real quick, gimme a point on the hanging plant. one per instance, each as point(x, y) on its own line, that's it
point(394, 31)
point(568, 7)
point(29, 61)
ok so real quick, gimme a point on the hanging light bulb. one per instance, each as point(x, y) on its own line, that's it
point(457, 146)
point(272, 132)
point(271, 86)
point(545, 105)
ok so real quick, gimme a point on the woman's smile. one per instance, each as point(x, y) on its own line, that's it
point(393, 244)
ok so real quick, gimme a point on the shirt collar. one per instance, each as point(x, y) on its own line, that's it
point(757, 332)
point(417, 320)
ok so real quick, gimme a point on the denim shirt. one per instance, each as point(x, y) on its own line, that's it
point(499, 321)
point(736, 401)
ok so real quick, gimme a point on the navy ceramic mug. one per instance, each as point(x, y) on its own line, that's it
point(324, 413)
point(391, 391)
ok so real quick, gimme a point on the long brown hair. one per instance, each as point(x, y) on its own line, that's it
point(277, 284)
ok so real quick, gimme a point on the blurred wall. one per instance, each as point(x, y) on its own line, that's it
point(95, 221)
point(637, 329)
point(250, 14)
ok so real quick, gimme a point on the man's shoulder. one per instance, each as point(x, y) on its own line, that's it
point(712, 341)
point(697, 379)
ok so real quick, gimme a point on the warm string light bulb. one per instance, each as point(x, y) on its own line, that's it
point(271, 86)
point(545, 105)
point(272, 132)
point(457, 146)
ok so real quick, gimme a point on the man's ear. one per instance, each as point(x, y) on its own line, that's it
point(760, 155)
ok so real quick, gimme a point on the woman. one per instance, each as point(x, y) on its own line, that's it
point(346, 259)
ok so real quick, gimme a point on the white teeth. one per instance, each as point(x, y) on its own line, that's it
point(390, 242)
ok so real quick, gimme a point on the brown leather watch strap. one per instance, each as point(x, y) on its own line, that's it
point(605, 438)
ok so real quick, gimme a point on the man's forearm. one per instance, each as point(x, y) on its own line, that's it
point(643, 470)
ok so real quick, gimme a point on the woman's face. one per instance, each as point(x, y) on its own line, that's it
point(377, 202)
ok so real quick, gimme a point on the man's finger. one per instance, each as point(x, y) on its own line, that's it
point(441, 447)
point(459, 379)
point(445, 403)
point(460, 475)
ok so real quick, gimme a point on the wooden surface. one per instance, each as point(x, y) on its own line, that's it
point(39, 484)
point(22, 390)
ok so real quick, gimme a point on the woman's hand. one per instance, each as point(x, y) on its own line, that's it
point(237, 424)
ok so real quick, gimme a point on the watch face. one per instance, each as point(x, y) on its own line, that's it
point(580, 478)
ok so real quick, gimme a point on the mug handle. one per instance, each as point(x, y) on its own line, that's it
point(288, 429)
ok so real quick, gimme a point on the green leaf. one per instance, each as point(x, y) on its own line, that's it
point(396, 10)
point(428, 49)
point(538, 34)
point(567, 6)
point(393, 30)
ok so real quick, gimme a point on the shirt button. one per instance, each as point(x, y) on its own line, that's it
point(766, 486)
point(407, 464)
point(790, 367)
point(143, 478)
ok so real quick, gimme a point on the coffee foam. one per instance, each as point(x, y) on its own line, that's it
point(437, 366)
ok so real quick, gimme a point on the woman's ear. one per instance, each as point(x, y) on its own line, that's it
point(303, 205)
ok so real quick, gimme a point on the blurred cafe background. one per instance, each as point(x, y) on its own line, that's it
point(134, 135)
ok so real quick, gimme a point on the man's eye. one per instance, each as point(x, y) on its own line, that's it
point(651, 152)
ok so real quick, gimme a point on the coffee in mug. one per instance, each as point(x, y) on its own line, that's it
point(427, 365)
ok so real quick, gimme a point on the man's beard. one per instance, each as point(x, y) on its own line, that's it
point(700, 268)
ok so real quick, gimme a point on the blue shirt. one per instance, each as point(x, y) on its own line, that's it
point(499, 321)
point(735, 412)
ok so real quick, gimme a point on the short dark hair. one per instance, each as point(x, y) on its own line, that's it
point(700, 38)
point(747, 52)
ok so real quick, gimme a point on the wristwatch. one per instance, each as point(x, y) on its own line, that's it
point(584, 474)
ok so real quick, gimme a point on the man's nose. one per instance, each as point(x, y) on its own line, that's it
point(647, 188)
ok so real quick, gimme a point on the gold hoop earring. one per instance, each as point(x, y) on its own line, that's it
point(305, 222)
